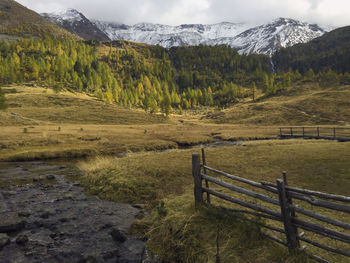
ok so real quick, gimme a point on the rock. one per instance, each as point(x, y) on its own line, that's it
point(45, 215)
point(139, 206)
point(23, 214)
point(88, 259)
point(11, 223)
point(63, 220)
point(4, 240)
point(36, 180)
point(118, 235)
point(50, 177)
point(22, 240)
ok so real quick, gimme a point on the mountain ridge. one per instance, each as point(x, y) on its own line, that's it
point(247, 38)
point(75, 22)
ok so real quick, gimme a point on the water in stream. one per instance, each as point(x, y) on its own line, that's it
point(45, 217)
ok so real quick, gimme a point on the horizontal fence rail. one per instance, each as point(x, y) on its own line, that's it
point(286, 212)
point(328, 133)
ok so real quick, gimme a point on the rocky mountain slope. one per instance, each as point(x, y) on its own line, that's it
point(77, 23)
point(264, 39)
point(329, 52)
point(268, 38)
point(245, 37)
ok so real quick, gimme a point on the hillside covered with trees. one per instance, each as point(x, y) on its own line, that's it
point(331, 52)
point(155, 78)
point(17, 20)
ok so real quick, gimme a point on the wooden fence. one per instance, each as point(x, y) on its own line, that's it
point(287, 212)
point(328, 133)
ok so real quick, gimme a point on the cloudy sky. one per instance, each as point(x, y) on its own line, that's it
point(175, 12)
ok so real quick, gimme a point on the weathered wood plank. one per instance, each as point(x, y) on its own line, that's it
point(313, 193)
point(320, 217)
point(321, 230)
point(290, 229)
point(243, 203)
point(241, 190)
point(196, 173)
point(275, 239)
point(205, 171)
point(242, 180)
point(334, 250)
point(317, 258)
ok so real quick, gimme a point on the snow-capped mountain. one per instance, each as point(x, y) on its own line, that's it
point(269, 38)
point(245, 37)
point(264, 39)
point(169, 36)
point(76, 23)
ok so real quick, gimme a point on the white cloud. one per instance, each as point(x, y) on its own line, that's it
point(332, 12)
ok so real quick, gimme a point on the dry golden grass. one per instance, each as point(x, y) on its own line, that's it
point(304, 104)
point(152, 177)
point(35, 105)
point(89, 127)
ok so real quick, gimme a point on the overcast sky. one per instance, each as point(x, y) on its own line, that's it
point(175, 12)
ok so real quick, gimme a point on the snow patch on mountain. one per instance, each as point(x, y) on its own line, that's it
point(263, 39)
point(246, 38)
point(71, 15)
point(169, 36)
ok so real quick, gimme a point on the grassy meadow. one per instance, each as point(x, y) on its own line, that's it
point(131, 156)
point(163, 182)
point(40, 124)
point(304, 104)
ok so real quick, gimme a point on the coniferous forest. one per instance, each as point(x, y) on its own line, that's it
point(152, 77)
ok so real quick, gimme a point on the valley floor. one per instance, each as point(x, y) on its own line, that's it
point(40, 124)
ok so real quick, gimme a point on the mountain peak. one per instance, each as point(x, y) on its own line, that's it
point(75, 22)
point(70, 14)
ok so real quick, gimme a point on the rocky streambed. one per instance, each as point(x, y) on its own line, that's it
point(46, 217)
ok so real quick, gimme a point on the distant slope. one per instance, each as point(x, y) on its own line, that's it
point(305, 104)
point(18, 20)
point(331, 51)
point(36, 105)
point(77, 23)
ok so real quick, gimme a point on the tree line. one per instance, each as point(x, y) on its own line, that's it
point(150, 77)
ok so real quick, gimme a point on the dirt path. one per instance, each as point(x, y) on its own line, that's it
point(48, 218)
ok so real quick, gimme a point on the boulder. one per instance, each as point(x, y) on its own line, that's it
point(11, 223)
point(22, 240)
point(4, 240)
point(118, 235)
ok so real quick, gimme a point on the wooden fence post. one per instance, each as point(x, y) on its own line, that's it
point(290, 230)
point(334, 133)
point(318, 131)
point(205, 172)
point(281, 132)
point(303, 131)
point(291, 131)
point(196, 173)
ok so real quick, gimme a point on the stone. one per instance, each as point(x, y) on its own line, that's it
point(139, 206)
point(23, 214)
point(118, 235)
point(22, 240)
point(50, 177)
point(11, 223)
point(4, 240)
point(45, 215)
